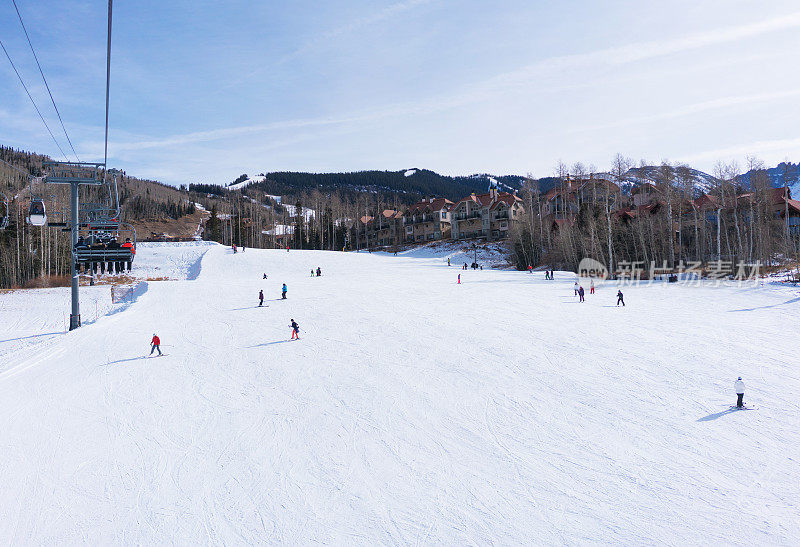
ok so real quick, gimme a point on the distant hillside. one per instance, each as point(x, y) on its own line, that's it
point(409, 185)
point(787, 173)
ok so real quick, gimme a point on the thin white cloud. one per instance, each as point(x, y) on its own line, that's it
point(330, 35)
point(349, 28)
point(520, 78)
point(782, 146)
point(696, 108)
point(640, 51)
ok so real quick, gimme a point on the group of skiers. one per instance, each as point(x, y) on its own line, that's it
point(579, 292)
point(261, 294)
point(474, 265)
point(319, 272)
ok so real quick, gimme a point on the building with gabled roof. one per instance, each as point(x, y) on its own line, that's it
point(490, 215)
point(427, 220)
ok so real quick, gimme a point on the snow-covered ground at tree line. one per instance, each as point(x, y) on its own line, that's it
point(412, 410)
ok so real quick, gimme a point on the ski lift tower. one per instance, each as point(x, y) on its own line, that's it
point(75, 175)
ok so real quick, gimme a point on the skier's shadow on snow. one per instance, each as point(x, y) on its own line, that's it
point(32, 336)
point(124, 360)
point(271, 343)
point(792, 301)
point(717, 415)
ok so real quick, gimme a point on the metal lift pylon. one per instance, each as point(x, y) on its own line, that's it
point(74, 174)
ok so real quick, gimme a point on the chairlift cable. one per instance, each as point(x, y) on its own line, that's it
point(31, 98)
point(108, 85)
point(46, 85)
point(17, 169)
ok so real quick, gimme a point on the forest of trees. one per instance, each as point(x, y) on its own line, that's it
point(738, 226)
point(40, 255)
point(321, 212)
point(406, 189)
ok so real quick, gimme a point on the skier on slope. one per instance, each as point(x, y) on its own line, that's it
point(261, 297)
point(591, 287)
point(580, 293)
point(295, 330)
point(283, 292)
point(155, 344)
point(265, 276)
point(319, 271)
point(312, 272)
point(620, 299)
point(448, 261)
point(576, 289)
point(738, 386)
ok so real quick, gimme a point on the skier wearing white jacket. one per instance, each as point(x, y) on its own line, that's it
point(739, 387)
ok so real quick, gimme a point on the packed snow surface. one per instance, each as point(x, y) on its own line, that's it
point(412, 410)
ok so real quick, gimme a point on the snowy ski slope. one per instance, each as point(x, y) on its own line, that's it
point(412, 411)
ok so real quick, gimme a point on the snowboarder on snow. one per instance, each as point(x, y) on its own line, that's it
point(283, 292)
point(620, 299)
point(580, 293)
point(261, 297)
point(295, 330)
point(155, 344)
point(591, 287)
point(739, 387)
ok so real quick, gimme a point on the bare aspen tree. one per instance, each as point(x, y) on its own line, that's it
point(619, 168)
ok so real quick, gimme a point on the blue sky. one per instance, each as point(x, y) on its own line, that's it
point(203, 91)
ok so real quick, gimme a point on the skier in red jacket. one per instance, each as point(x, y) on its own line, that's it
point(155, 344)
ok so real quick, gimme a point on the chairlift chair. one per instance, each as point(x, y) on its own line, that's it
point(37, 214)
